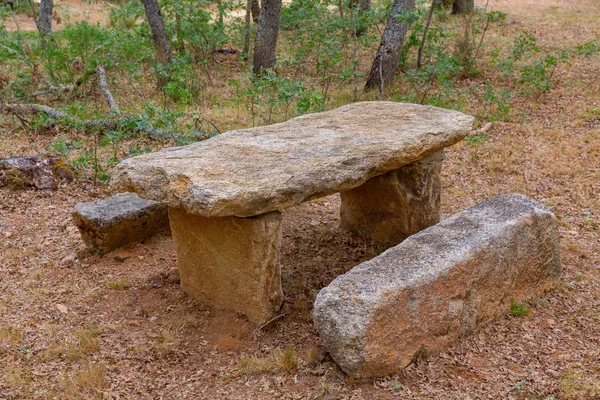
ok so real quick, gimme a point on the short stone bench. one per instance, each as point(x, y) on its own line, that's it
point(115, 221)
point(438, 285)
point(224, 194)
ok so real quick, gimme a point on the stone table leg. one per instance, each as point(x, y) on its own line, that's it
point(230, 263)
point(391, 207)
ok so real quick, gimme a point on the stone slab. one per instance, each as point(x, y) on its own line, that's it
point(120, 219)
point(253, 171)
point(439, 285)
point(230, 263)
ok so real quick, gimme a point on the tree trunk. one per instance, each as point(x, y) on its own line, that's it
point(266, 36)
point(159, 34)
point(463, 6)
point(44, 19)
point(255, 8)
point(246, 48)
point(341, 8)
point(388, 55)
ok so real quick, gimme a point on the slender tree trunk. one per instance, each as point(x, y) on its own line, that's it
point(463, 6)
point(220, 8)
point(434, 5)
point(255, 8)
point(159, 34)
point(386, 60)
point(44, 19)
point(266, 36)
point(246, 48)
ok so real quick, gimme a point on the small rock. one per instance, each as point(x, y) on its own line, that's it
point(113, 222)
point(553, 373)
point(173, 275)
point(62, 308)
point(70, 259)
point(314, 222)
point(41, 172)
point(8, 235)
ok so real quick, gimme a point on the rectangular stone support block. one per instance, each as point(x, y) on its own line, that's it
point(438, 285)
point(229, 262)
point(391, 207)
point(115, 221)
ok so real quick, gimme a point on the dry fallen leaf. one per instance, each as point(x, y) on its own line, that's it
point(62, 308)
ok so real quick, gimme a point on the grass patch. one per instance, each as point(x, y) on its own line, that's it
point(88, 381)
point(577, 385)
point(287, 360)
point(83, 343)
point(118, 284)
point(518, 309)
point(11, 336)
point(278, 361)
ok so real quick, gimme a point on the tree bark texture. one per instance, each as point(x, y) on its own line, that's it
point(44, 18)
point(386, 60)
point(266, 36)
point(463, 6)
point(159, 34)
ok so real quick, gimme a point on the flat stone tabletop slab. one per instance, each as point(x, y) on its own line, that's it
point(253, 171)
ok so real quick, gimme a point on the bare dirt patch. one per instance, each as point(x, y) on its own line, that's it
point(66, 11)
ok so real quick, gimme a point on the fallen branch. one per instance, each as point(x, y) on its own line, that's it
point(106, 92)
point(58, 116)
point(269, 322)
point(59, 89)
point(485, 128)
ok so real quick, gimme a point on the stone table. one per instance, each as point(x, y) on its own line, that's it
point(224, 194)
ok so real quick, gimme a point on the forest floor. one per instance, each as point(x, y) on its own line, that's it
point(77, 326)
point(65, 11)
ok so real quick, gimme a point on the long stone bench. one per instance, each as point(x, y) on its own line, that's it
point(224, 194)
point(438, 285)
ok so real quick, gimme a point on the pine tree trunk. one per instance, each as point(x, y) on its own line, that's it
point(266, 36)
point(159, 34)
point(463, 6)
point(388, 55)
point(44, 19)
point(255, 8)
point(246, 48)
